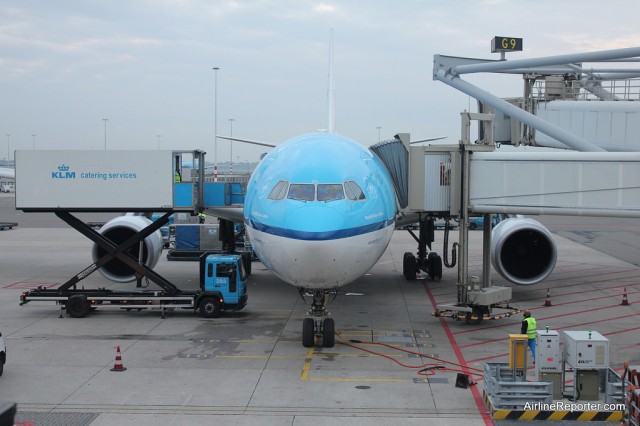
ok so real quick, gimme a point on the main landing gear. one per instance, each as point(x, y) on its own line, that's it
point(319, 326)
point(428, 261)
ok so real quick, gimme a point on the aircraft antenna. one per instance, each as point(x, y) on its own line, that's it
point(330, 92)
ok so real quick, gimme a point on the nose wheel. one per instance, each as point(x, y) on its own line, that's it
point(318, 326)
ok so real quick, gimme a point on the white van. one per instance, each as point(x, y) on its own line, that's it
point(8, 187)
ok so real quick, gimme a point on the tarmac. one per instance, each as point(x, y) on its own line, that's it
point(250, 368)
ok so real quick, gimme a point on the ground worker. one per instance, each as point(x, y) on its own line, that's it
point(529, 328)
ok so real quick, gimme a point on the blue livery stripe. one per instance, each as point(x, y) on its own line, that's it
point(319, 236)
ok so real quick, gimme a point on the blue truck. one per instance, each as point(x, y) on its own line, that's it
point(223, 287)
point(477, 222)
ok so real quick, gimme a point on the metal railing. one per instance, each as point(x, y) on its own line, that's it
point(553, 88)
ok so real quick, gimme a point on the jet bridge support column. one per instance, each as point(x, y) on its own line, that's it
point(466, 150)
point(474, 299)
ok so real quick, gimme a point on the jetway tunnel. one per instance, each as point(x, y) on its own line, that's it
point(459, 181)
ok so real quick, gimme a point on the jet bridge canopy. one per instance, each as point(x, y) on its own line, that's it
point(395, 156)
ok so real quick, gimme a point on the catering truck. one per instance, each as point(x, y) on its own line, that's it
point(223, 287)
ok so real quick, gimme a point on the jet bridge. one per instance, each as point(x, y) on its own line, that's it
point(458, 181)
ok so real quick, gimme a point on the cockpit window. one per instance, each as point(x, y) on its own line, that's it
point(302, 191)
point(330, 192)
point(353, 191)
point(279, 191)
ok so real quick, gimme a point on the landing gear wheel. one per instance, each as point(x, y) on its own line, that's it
point(328, 333)
point(78, 306)
point(308, 335)
point(409, 266)
point(210, 307)
point(404, 262)
point(435, 266)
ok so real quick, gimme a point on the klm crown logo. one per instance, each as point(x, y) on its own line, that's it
point(63, 173)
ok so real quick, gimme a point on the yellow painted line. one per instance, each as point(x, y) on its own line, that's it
point(319, 355)
point(355, 379)
point(261, 356)
point(304, 375)
point(252, 341)
point(285, 317)
point(356, 355)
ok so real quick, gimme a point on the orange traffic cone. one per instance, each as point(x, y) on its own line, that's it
point(548, 301)
point(118, 365)
point(625, 301)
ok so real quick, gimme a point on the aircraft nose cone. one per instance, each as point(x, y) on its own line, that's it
point(317, 221)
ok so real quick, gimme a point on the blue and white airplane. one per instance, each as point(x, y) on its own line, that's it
point(319, 211)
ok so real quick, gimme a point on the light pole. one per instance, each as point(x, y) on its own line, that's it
point(34, 141)
point(231, 120)
point(215, 125)
point(378, 133)
point(105, 132)
point(8, 157)
point(158, 136)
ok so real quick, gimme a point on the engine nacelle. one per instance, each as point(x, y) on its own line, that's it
point(523, 251)
point(119, 230)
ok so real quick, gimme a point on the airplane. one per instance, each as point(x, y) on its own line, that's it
point(7, 173)
point(320, 212)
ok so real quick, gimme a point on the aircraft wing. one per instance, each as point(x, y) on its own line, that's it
point(404, 219)
point(7, 173)
point(234, 214)
point(247, 141)
point(427, 140)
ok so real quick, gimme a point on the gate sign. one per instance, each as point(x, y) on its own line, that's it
point(506, 44)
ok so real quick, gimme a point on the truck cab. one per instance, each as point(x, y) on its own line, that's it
point(223, 282)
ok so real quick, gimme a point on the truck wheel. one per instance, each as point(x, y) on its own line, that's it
point(78, 306)
point(308, 332)
point(210, 307)
point(328, 333)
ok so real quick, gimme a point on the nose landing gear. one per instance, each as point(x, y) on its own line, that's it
point(319, 327)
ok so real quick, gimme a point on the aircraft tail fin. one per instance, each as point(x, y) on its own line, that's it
point(330, 91)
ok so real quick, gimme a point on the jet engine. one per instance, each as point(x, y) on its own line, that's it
point(523, 251)
point(119, 230)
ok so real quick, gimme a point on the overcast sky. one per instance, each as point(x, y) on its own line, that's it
point(146, 66)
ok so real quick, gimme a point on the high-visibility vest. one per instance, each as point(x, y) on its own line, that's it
point(531, 327)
